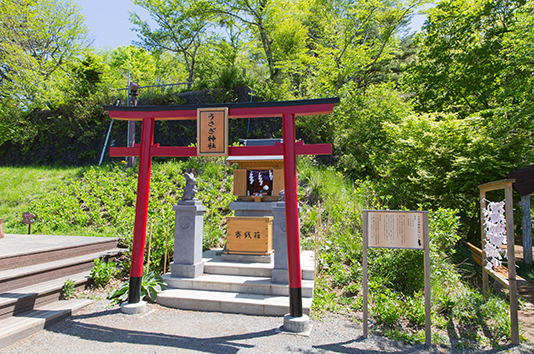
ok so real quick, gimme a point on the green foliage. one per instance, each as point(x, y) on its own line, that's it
point(44, 37)
point(151, 286)
point(351, 41)
point(415, 309)
point(387, 308)
point(438, 160)
point(468, 59)
point(102, 272)
point(68, 290)
point(444, 224)
point(356, 128)
point(22, 186)
point(181, 27)
point(101, 202)
point(407, 336)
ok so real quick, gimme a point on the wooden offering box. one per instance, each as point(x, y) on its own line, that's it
point(249, 235)
point(258, 178)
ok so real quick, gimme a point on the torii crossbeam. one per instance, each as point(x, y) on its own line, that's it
point(288, 110)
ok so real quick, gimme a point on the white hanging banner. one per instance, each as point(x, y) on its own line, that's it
point(395, 229)
point(495, 227)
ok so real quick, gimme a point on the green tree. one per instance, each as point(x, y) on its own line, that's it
point(139, 62)
point(437, 160)
point(38, 39)
point(182, 26)
point(354, 41)
point(275, 24)
point(468, 60)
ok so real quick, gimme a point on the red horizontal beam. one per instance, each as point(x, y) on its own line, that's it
point(259, 110)
point(175, 151)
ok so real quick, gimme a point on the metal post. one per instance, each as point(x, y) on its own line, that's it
point(292, 222)
point(141, 210)
point(105, 143)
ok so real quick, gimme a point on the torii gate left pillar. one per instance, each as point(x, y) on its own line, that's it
point(289, 149)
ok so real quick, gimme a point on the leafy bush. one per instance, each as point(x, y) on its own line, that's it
point(102, 272)
point(415, 309)
point(151, 286)
point(68, 290)
point(101, 202)
point(387, 308)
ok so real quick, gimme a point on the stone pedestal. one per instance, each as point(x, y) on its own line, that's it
point(253, 209)
point(133, 309)
point(280, 272)
point(189, 222)
point(297, 324)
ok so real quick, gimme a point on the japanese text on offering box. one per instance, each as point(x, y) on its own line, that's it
point(395, 229)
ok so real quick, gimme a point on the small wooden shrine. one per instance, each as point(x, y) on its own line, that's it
point(258, 178)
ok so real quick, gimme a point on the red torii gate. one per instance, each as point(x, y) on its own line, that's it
point(288, 110)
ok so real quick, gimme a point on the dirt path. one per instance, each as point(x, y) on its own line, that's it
point(103, 329)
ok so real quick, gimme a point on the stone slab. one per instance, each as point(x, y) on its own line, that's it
point(247, 258)
point(252, 304)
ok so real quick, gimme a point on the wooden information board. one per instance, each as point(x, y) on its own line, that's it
point(212, 131)
point(396, 229)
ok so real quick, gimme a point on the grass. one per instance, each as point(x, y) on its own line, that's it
point(460, 314)
point(100, 200)
point(20, 186)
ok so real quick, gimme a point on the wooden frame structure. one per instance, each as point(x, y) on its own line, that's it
point(505, 184)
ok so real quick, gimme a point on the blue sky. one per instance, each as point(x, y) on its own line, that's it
point(109, 25)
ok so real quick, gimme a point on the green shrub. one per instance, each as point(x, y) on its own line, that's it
point(151, 286)
point(415, 309)
point(387, 308)
point(102, 272)
point(68, 290)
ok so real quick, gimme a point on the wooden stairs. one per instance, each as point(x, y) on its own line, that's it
point(33, 269)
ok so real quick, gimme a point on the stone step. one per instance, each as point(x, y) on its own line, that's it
point(26, 250)
point(18, 327)
point(25, 276)
point(214, 265)
point(238, 284)
point(16, 301)
point(230, 302)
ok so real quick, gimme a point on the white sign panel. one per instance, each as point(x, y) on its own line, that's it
point(395, 229)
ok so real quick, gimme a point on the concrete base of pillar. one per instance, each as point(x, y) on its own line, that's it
point(133, 309)
point(280, 276)
point(187, 270)
point(297, 324)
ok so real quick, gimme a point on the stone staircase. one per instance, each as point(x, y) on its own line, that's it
point(33, 269)
point(237, 287)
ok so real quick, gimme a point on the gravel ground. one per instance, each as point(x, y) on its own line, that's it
point(99, 328)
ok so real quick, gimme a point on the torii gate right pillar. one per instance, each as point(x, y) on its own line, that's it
point(292, 223)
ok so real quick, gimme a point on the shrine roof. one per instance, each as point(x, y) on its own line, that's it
point(235, 110)
point(524, 180)
point(237, 159)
